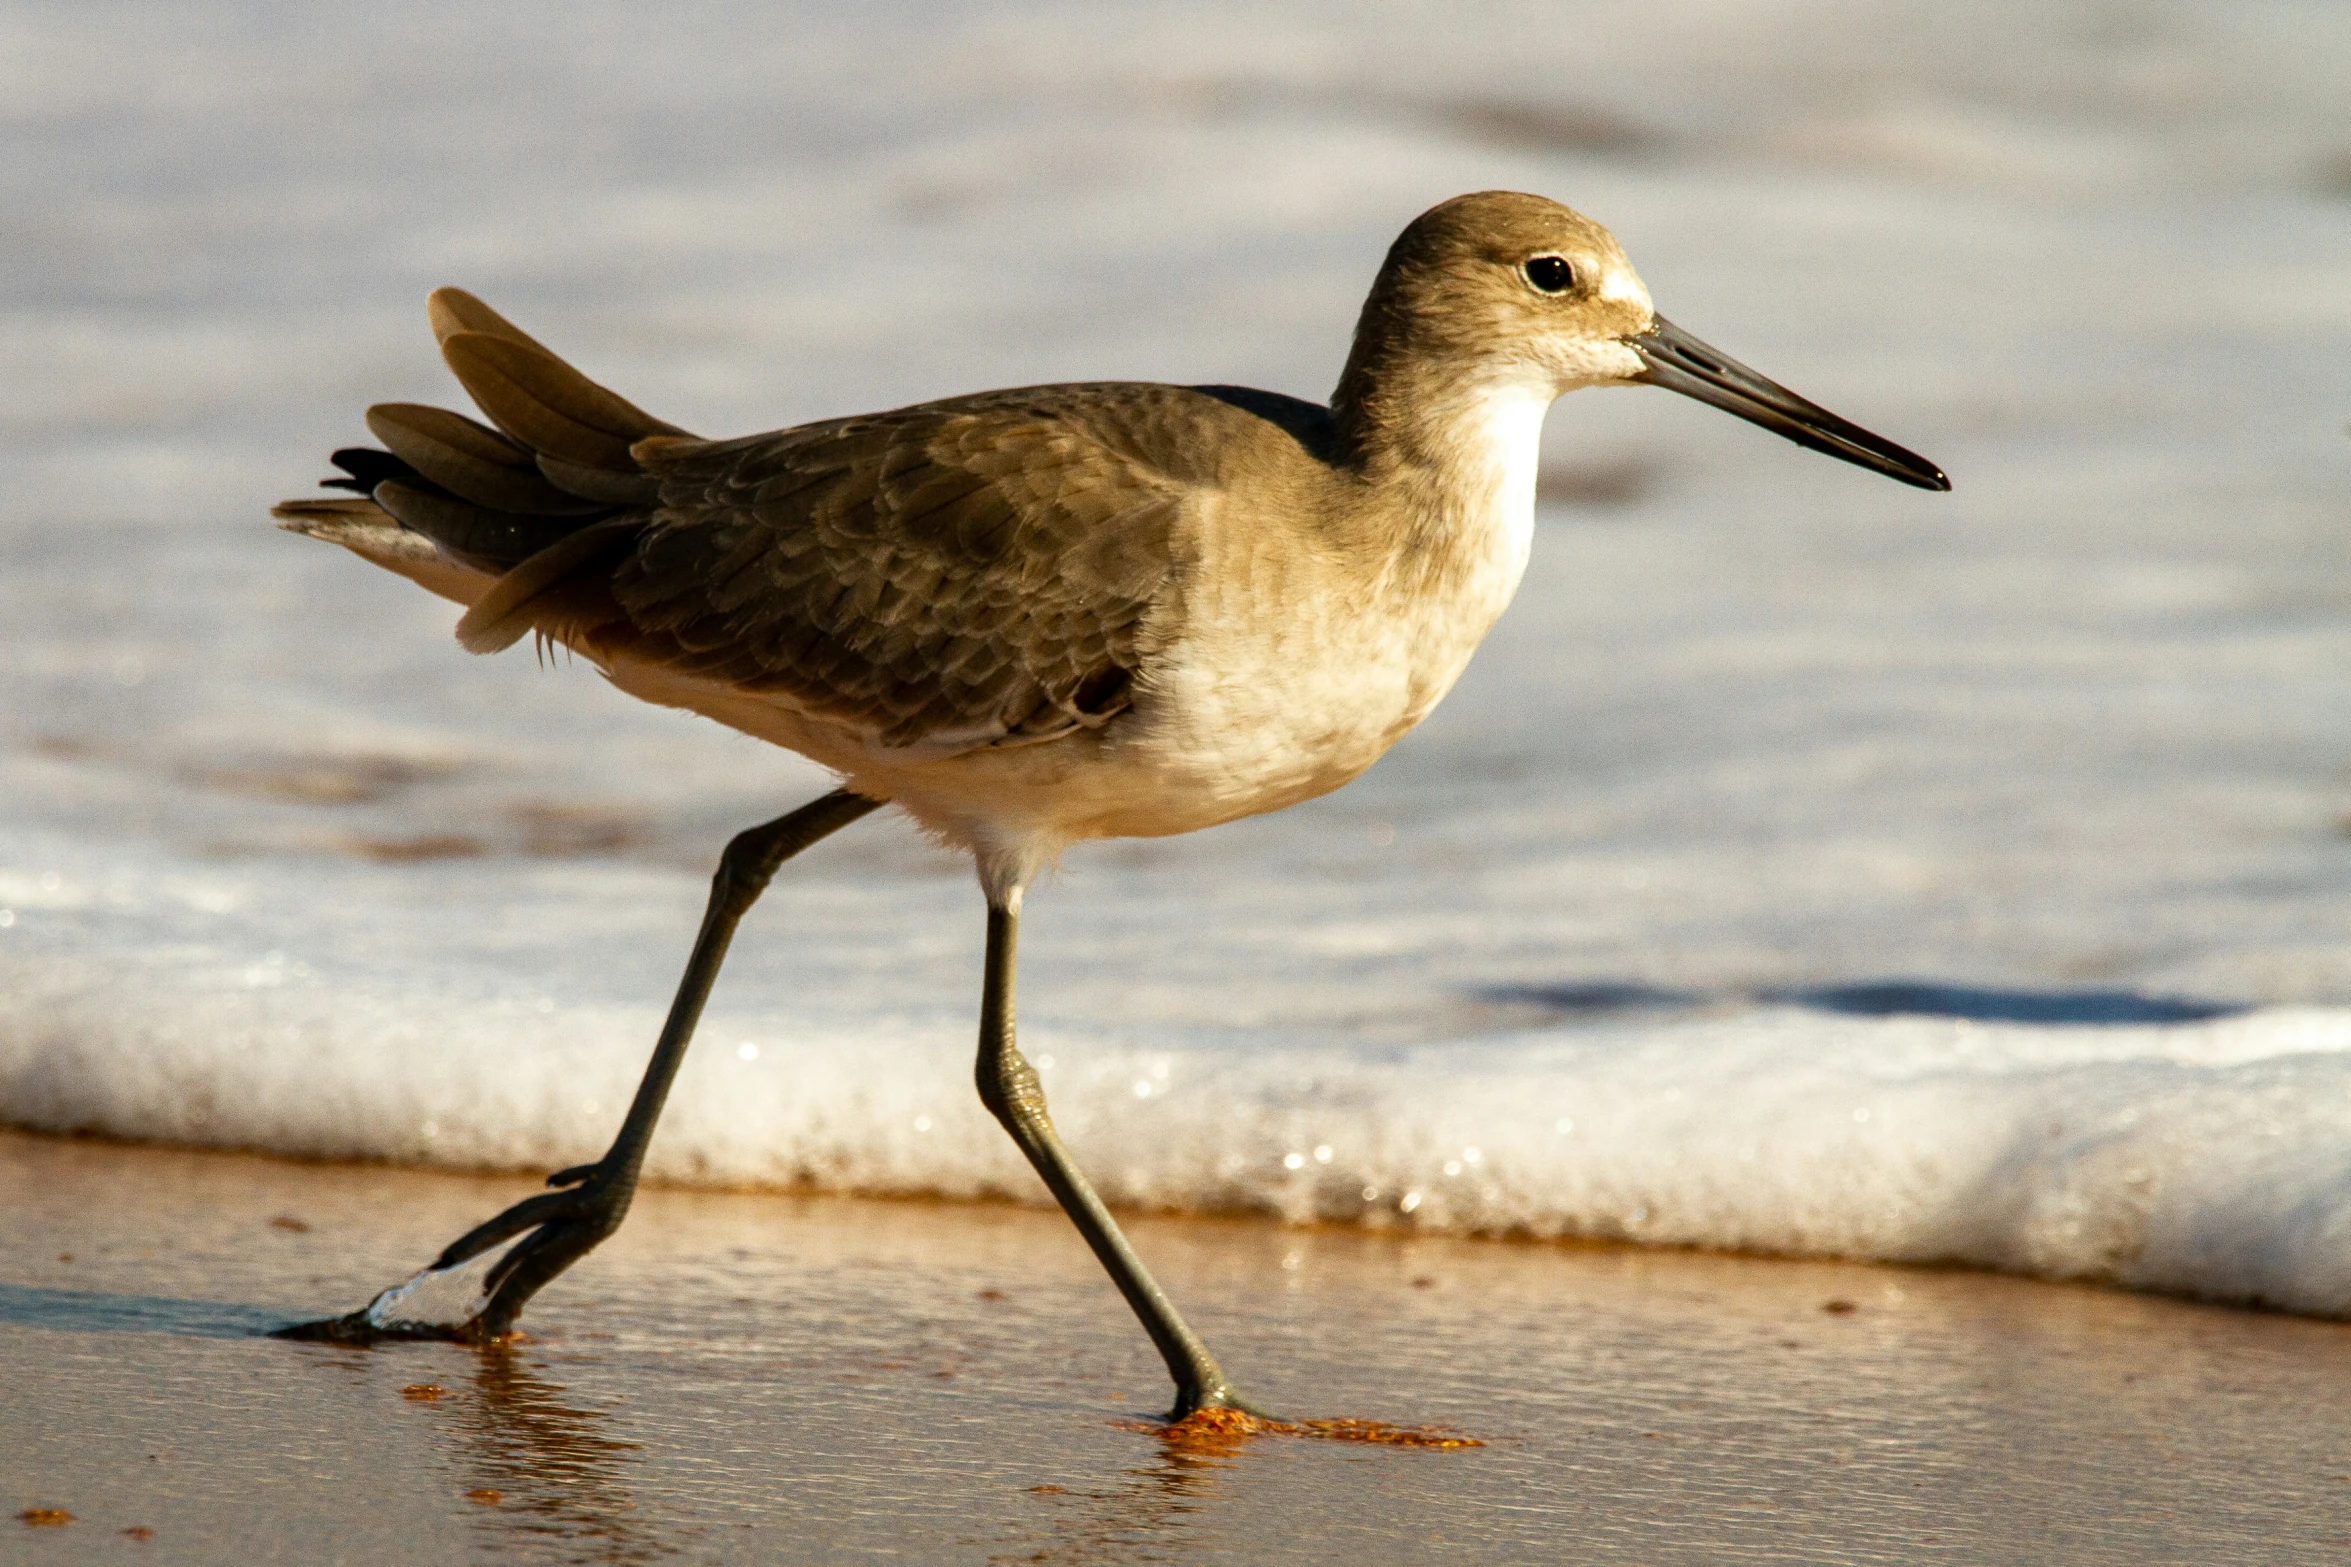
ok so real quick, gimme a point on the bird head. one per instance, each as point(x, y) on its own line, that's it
point(1519, 294)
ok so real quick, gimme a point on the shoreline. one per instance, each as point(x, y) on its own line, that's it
point(1241, 1219)
point(823, 1377)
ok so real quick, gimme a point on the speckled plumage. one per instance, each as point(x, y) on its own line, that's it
point(1044, 614)
point(978, 572)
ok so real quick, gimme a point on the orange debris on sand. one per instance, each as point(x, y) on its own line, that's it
point(1223, 1431)
point(1380, 1433)
point(45, 1517)
point(488, 1496)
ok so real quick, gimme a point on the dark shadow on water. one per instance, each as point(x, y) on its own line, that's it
point(1600, 998)
point(91, 1311)
point(1595, 1000)
point(1983, 1004)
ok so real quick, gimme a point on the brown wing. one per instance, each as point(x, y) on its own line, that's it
point(967, 573)
point(957, 574)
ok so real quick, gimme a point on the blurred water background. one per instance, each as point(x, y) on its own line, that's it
point(1805, 865)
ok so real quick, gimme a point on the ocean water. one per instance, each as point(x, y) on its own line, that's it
point(1805, 865)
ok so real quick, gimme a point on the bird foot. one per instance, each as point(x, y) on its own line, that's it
point(1220, 1429)
point(563, 1226)
point(360, 1328)
point(1193, 1401)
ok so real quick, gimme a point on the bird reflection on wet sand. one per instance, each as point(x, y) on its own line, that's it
point(1158, 1504)
point(1163, 1498)
point(545, 1471)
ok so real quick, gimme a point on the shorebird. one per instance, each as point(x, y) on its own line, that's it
point(1026, 618)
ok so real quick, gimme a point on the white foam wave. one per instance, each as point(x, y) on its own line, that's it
point(2207, 1158)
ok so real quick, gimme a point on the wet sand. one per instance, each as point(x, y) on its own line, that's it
point(822, 1379)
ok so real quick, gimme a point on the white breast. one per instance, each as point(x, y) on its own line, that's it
point(1492, 526)
point(1290, 680)
point(1498, 522)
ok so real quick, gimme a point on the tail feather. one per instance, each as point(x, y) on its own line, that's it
point(544, 403)
point(507, 519)
point(453, 310)
point(528, 367)
point(471, 461)
point(505, 613)
point(363, 469)
point(366, 530)
point(477, 535)
point(636, 488)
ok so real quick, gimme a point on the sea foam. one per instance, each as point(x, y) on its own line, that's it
point(2207, 1158)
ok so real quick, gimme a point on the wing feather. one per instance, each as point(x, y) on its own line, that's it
point(973, 572)
point(950, 575)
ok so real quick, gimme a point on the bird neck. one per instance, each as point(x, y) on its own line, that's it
point(1449, 444)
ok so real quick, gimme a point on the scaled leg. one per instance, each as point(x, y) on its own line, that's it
point(567, 1224)
point(1010, 1090)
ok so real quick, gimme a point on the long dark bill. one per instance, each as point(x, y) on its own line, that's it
point(1680, 363)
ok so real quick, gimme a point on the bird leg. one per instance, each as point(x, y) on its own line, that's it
point(592, 1199)
point(1012, 1093)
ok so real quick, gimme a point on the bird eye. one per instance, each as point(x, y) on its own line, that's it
point(1551, 274)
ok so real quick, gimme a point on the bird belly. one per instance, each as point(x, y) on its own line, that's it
point(1200, 747)
point(1237, 726)
point(1281, 689)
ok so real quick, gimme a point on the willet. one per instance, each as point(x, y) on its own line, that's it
point(1027, 617)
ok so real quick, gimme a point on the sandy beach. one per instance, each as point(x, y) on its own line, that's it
point(1805, 866)
point(825, 1379)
